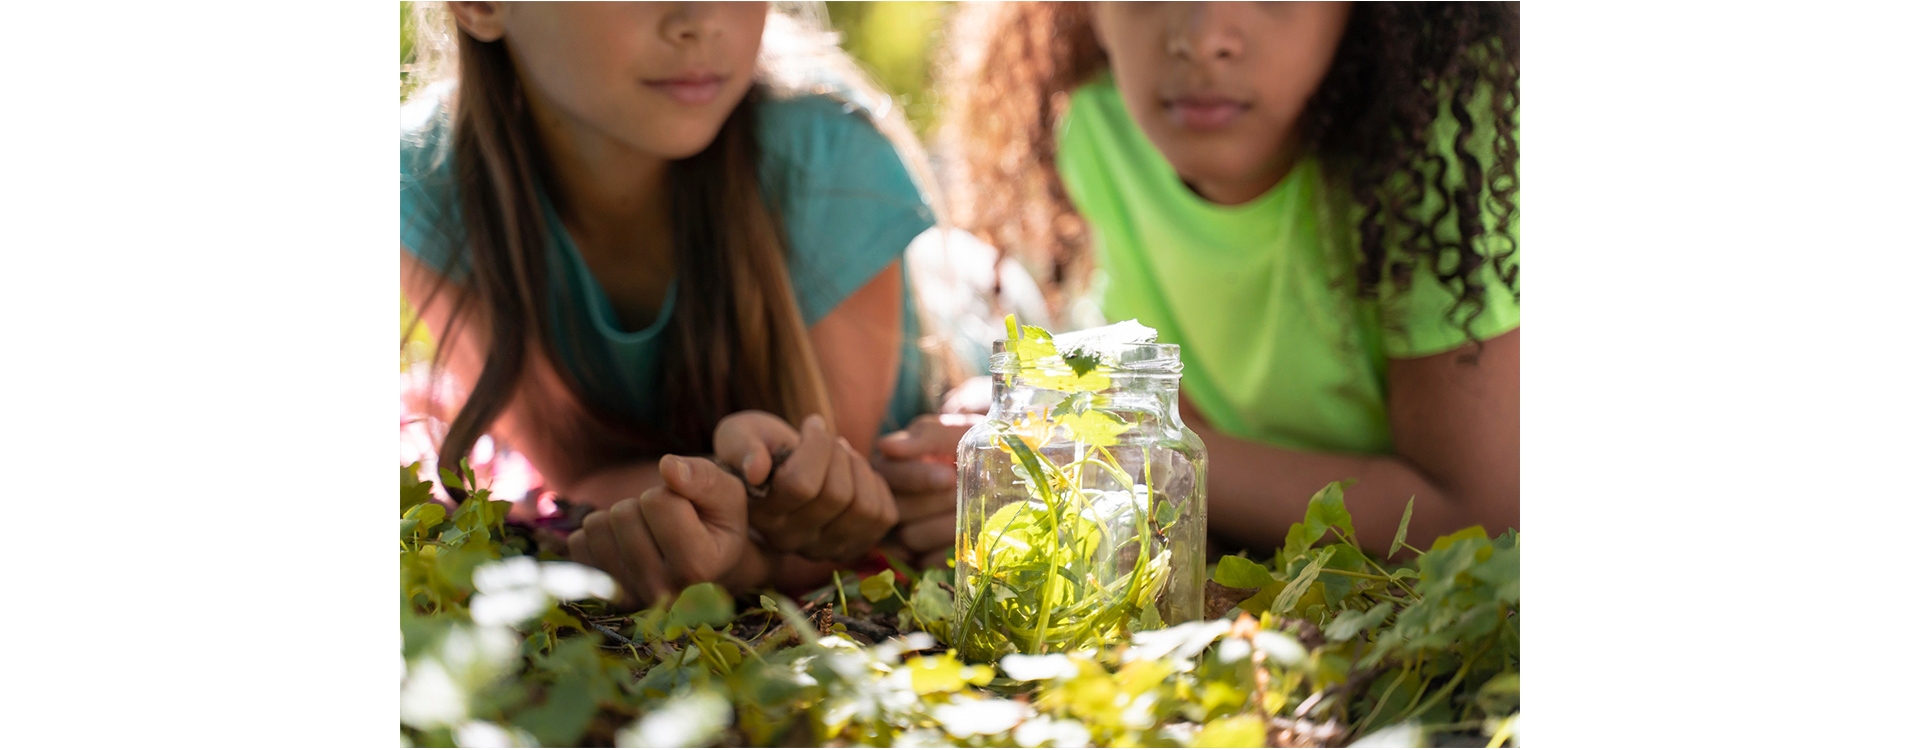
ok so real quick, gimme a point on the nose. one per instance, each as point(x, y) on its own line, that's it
point(689, 22)
point(1204, 32)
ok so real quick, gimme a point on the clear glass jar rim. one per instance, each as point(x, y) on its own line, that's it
point(1136, 359)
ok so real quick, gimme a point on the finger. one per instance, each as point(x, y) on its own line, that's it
point(688, 547)
point(577, 548)
point(800, 478)
point(634, 537)
point(835, 496)
point(973, 396)
point(914, 476)
point(927, 534)
point(746, 440)
point(718, 497)
point(907, 443)
point(936, 435)
point(870, 515)
point(921, 505)
point(600, 547)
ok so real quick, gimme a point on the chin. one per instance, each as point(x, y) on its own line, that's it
point(686, 147)
point(1219, 163)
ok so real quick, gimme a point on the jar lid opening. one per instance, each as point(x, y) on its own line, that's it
point(1131, 359)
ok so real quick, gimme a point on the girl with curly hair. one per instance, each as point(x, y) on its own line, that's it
point(1318, 201)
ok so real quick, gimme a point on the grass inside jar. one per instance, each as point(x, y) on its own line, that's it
point(1036, 565)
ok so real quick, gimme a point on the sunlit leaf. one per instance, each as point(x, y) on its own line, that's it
point(1400, 536)
point(1233, 731)
point(700, 604)
point(877, 587)
point(1328, 509)
point(1471, 532)
point(1238, 572)
point(413, 489)
point(1353, 622)
point(1290, 595)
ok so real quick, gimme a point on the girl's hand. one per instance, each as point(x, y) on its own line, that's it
point(973, 396)
point(691, 530)
point(823, 502)
point(918, 465)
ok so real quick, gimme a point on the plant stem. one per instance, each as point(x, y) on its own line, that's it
point(1448, 688)
point(1363, 555)
point(1353, 574)
point(841, 589)
point(1368, 721)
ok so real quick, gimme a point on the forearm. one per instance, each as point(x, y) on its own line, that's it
point(1265, 489)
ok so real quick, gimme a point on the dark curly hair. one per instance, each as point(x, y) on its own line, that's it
point(1012, 67)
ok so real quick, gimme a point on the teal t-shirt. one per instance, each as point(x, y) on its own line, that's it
point(848, 205)
point(1277, 344)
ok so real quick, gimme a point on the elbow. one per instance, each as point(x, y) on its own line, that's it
point(1494, 506)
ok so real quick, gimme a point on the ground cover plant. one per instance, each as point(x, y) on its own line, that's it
point(504, 643)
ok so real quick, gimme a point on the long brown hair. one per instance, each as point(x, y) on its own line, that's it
point(1012, 67)
point(736, 339)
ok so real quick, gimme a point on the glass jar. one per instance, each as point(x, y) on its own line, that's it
point(1112, 539)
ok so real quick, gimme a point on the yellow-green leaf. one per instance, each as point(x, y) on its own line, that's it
point(1470, 532)
point(1095, 428)
point(1290, 595)
point(940, 673)
point(1246, 730)
point(877, 587)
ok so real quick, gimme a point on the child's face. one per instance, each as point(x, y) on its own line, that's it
point(1219, 87)
point(659, 78)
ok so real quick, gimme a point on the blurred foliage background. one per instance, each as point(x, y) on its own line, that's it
point(896, 41)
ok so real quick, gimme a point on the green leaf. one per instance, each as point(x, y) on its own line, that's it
point(1263, 601)
point(1345, 557)
point(413, 490)
point(1095, 428)
point(700, 604)
point(1036, 478)
point(932, 607)
point(1238, 572)
point(1073, 404)
point(1289, 596)
point(877, 587)
point(1447, 560)
point(451, 479)
point(424, 517)
point(1082, 363)
point(1470, 532)
point(1501, 570)
point(1400, 536)
point(1246, 730)
point(563, 717)
point(1353, 622)
point(1328, 509)
point(935, 674)
point(1150, 617)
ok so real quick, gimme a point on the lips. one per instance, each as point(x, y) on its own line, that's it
point(1205, 112)
point(690, 88)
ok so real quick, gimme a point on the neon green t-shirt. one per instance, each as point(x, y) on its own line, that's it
point(1278, 345)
